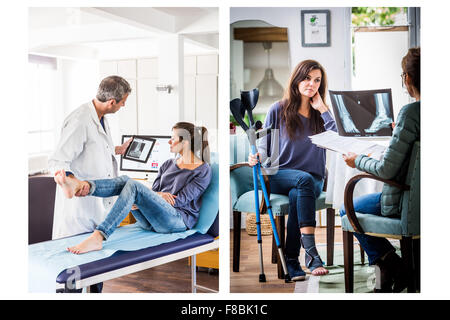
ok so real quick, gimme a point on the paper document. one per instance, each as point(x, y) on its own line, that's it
point(333, 141)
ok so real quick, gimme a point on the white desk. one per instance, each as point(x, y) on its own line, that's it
point(339, 174)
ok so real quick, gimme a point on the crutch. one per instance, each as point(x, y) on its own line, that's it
point(238, 108)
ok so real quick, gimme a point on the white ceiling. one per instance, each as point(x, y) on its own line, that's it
point(114, 33)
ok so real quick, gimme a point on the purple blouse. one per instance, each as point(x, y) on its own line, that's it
point(299, 153)
point(187, 185)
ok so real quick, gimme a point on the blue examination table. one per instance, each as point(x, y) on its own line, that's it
point(129, 249)
point(126, 262)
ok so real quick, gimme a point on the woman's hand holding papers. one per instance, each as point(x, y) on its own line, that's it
point(350, 158)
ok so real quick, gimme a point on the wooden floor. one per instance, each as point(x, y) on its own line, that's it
point(174, 277)
point(246, 280)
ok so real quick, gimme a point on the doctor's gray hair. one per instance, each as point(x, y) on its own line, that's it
point(113, 87)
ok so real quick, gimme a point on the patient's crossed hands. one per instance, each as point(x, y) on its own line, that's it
point(170, 198)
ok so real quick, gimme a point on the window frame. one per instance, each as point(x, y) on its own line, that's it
point(48, 63)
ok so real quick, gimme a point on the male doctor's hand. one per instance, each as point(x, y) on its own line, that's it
point(83, 191)
point(121, 149)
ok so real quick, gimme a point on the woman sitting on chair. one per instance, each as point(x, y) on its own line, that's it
point(393, 166)
point(300, 164)
point(173, 204)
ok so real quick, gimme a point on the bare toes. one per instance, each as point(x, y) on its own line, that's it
point(320, 272)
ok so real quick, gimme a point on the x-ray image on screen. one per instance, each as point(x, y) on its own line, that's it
point(363, 113)
point(136, 149)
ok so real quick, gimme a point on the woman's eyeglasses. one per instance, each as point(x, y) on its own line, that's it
point(403, 75)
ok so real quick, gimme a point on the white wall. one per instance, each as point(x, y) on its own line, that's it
point(383, 69)
point(79, 80)
point(335, 59)
point(75, 84)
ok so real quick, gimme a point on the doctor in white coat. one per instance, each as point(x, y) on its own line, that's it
point(86, 150)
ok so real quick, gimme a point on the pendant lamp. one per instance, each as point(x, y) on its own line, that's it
point(269, 88)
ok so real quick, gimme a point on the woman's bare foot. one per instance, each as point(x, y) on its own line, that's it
point(320, 271)
point(93, 243)
point(70, 185)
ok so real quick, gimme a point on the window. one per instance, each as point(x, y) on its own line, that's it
point(42, 73)
point(380, 39)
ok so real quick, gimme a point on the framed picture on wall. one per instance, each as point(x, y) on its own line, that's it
point(315, 28)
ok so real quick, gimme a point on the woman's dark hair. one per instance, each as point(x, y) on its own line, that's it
point(292, 100)
point(197, 137)
point(411, 65)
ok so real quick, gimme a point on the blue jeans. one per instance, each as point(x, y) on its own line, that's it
point(303, 189)
point(154, 213)
point(375, 247)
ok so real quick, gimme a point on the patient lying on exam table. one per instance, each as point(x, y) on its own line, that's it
point(173, 204)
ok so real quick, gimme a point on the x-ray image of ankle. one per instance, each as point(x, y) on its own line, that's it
point(382, 116)
point(347, 121)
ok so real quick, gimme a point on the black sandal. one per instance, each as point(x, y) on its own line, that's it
point(392, 273)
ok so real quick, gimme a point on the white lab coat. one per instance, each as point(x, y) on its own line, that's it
point(86, 150)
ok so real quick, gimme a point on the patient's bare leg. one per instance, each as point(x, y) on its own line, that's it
point(92, 243)
point(69, 184)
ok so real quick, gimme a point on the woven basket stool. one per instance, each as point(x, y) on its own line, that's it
point(250, 225)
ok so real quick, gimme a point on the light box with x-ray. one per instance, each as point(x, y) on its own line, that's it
point(367, 113)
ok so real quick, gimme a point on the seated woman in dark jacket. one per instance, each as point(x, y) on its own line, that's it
point(393, 165)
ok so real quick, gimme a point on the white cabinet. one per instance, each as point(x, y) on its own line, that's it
point(143, 113)
point(190, 74)
point(189, 97)
point(125, 120)
point(128, 114)
point(200, 93)
point(206, 103)
point(150, 115)
point(147, 68)
point(190, 65)
point(107, 68)
point(124, 68)
point(208, 64)
point(127, 69)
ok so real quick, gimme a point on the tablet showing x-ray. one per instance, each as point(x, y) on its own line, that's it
point(367, 113)
point(139, 149)
point(159, 154)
